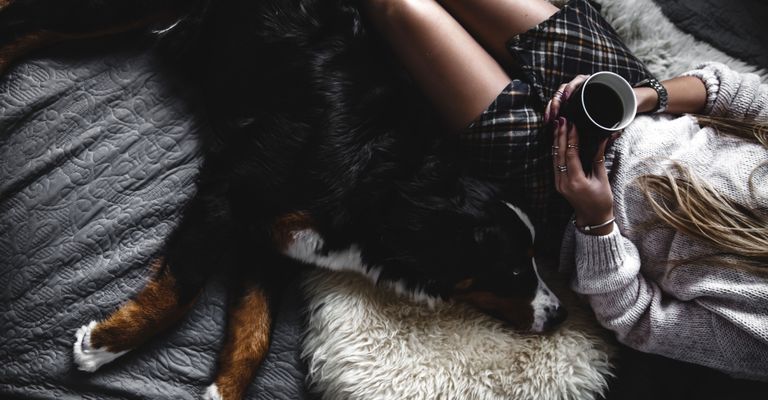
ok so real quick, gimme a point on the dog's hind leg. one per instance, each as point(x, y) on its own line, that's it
point(246, 345)
point(193, 251)
point(159, 305)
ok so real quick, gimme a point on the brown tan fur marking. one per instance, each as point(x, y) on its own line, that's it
point(286, 225)
point(247, 344)
point(154, 309)
point(17, 49)
point(518, 312)
point(12, 52)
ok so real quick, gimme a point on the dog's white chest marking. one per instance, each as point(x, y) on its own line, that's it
point(544, 303)
point(307, 246)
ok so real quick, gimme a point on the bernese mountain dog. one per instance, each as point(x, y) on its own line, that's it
point(321, 153)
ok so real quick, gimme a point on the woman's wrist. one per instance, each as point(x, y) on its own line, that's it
point(595, 225)
point(647, 99)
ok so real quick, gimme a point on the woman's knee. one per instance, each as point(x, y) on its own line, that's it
point(397, 9)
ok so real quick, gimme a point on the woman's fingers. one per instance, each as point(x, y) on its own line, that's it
point(598, 164)
point(556, 149)
point(572, 161)
point(561, 140)
point(574, 84)
point(553, 107)
point(561, 95)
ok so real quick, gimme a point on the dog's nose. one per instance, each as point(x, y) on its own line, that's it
point(557, 317)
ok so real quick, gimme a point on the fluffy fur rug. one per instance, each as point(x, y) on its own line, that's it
point(363, 343)
point(366, 343)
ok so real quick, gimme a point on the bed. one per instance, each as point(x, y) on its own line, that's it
point(99, 152)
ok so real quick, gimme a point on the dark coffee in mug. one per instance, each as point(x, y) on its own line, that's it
point(603, 104)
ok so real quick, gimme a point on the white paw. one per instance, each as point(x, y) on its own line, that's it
point(87, 358)
point(212, 393)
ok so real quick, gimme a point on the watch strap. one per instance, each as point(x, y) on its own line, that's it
point(661, 105)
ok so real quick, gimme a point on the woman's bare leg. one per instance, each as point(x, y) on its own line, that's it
point(494, 22)
point(456, 73)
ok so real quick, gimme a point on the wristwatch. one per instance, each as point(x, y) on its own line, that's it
point(652, 83)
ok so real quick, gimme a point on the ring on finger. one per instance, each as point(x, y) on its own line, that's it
point(600, 160)
point(558, 94)
point(563, 169)
point(572, 146)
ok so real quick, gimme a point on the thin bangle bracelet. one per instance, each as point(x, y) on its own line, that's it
point(589, 228)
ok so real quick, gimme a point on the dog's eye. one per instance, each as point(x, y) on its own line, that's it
point(517, 272)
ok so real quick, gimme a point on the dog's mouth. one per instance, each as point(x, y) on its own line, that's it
point(538, 312)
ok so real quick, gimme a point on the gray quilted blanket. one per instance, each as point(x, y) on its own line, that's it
point(735, 27)
point(98, 153)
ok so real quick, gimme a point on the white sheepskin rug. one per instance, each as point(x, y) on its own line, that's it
point(368, 343)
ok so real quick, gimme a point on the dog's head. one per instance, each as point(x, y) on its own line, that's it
point(473, 248)
point(503, 281)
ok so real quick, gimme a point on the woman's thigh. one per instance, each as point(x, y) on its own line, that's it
point(455, 72)
point(494, 22)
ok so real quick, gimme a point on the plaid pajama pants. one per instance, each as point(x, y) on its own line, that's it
point(508, 141)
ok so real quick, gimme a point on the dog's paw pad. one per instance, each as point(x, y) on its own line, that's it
point(212, 393)
point(88, 358)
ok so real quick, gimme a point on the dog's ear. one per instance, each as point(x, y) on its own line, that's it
point(513, 195)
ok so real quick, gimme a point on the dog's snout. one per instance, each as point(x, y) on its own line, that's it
point(556, 317)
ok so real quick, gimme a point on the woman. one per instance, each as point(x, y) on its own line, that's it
point(673, 265)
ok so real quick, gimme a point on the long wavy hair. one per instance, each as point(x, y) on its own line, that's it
point(738, 233)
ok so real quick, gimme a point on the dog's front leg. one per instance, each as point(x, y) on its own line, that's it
point(246, 345)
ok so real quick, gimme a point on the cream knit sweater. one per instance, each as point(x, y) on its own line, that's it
point(708, 315)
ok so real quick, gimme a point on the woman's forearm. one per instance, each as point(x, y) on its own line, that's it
point(685, 94)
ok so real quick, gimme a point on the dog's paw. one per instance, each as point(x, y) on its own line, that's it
point(86, 357)
point(212, 393)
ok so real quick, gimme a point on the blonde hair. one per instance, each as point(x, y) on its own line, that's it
point(738, 233)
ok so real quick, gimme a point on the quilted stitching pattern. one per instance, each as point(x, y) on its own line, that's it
point(98, 154)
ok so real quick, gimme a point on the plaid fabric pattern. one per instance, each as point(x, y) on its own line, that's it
point(509, 142)
point(576, 40)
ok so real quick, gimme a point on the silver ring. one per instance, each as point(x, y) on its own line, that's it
point(558, 94)
point(572, 146)
point(563, 169)
point(554, 153)
point(555, 147)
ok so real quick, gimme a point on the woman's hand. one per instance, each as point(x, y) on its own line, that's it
point(590, 196)
point(552, 112)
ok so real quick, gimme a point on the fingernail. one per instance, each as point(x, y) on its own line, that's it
point(562, 120)
point(566, 94)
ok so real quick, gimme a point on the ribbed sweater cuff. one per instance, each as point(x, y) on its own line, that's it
point(602, 263)
point(711, 82)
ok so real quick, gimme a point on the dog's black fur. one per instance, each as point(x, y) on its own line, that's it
point(313, 113)
point(310, 114)
point(310, 111)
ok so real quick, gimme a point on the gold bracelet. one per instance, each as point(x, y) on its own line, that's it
point(590, 228)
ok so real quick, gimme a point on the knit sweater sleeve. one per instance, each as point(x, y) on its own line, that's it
point(647, 319)
point(730, 93)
